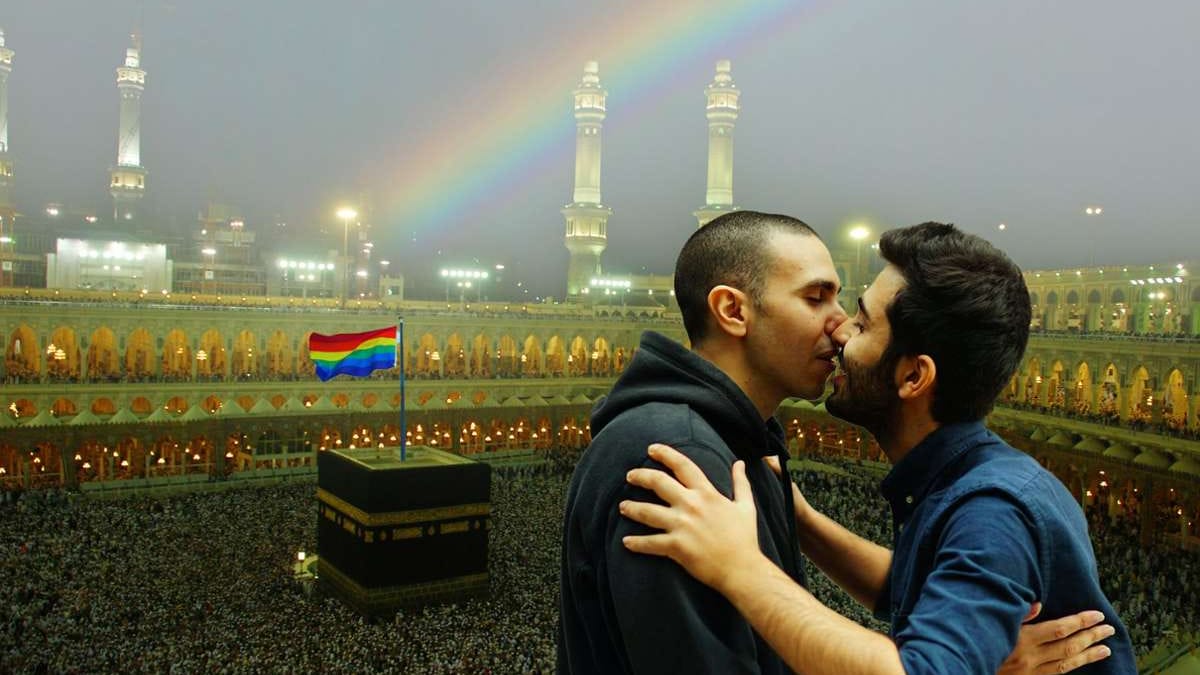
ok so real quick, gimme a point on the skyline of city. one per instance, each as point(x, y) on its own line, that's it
point(649, 83)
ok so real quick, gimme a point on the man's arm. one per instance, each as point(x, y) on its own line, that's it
point(705, 532)
point(858, 565)
point(723, 553)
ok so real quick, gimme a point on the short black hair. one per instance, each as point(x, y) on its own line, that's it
point(965, 305)
point(730, 250)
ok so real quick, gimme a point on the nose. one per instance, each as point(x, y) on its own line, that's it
point(836, 318)
point(844, 331)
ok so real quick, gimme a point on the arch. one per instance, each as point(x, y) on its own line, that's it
point(1052, 298)
point(10, 465)
point(541, 437)
point(102, 362)
point(506, 356)
point(139, 364)
point(1072, 297)
point(577, 358)
point(1093, 297)
point(455, 359)
point(531, 357)
point(1011, 391)
point(176, 405)
point(304, 363)
point(62, 355)
point(141, 405)
point(556, 356)
point(481, 355)
point(620, 360)
point(212, 404)
point(601, 357)
point(1056, 393)
point(425, 358)
point(1033, 299)
point(92, 462)
point(211, 359)
point(21, 363)
point(103, 406)
point(45, 464)
point(1175, 402)
point(280, 361)
point(63, 407)
point(1033, 382)
point(1141, 397)
point(1118, 296)
point(1196, 294)
point(22, 408)
point(245, 356)
point(1081, 401)
point(176, 357)
point(1109, 401)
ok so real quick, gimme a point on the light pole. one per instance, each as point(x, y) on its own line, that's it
point(1092, 212)
point(858, 234)
point(346, 214)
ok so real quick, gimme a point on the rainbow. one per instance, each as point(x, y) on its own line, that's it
point(480, 155)
point(354, 354)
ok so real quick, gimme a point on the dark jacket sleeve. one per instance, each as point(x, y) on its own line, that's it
point(669, 622)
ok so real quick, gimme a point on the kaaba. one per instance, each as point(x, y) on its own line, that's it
point(395, 534)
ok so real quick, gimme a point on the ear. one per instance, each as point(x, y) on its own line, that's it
point(916, 376)
point(729, 308)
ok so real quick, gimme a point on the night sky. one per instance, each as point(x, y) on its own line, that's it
point(449, 124)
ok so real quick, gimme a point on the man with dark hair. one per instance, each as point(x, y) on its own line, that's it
point(758, 294)
point(981, 530)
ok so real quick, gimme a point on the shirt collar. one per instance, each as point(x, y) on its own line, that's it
point(914, 476)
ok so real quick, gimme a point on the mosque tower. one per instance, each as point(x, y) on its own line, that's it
point(587, 218)
point(6, 167)
point(722, 111)
point(128, 177)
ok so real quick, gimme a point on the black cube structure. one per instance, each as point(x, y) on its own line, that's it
point(394, 534)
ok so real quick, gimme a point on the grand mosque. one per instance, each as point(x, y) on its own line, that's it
point(137, 359)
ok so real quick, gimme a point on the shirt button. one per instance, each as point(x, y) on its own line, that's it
point(908, 499)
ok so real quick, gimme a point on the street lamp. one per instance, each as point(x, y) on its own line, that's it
point(1092, 211)
point(858, 234)
point(346, 214)
point(466, 278)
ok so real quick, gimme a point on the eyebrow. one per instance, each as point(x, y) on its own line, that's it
point(825, 285)
point(863, 309)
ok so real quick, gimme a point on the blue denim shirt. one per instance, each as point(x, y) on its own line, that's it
point(981, 531)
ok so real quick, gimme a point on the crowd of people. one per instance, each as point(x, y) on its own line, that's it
point(203, 582)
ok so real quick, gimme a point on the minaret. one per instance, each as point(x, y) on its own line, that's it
point(722, 111)
point(128, 183)
point(6, 167)
point(587, 218)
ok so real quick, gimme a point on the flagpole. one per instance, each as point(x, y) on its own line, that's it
point(402, 357)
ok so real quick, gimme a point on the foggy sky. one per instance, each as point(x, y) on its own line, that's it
point(887, 113)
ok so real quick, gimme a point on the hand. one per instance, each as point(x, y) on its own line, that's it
point(1058, 646)
point(801, 507)
point(709, 535)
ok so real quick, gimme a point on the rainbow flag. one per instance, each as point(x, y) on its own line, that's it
point(354, 354)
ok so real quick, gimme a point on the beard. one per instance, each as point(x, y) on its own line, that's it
point(867, 396)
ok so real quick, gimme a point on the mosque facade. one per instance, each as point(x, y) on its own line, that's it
point(113, 376)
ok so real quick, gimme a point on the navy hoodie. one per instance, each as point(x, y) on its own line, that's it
point(623, 612)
